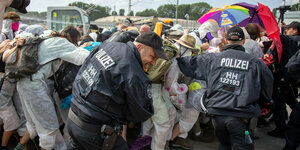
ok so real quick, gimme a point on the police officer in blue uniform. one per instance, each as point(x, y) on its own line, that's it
point(111, 89)
point(292, 76)
point(235, 81)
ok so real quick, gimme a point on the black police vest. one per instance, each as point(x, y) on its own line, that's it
point(92, 92)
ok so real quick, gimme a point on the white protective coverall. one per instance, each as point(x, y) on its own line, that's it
point(188, 116)
point(11, 111)
point(7, 32)
point(35, 95)
point(160, 124)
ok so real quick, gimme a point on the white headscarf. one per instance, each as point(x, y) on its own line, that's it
point(177, 27)
point(25, 35)
point(35, 29)
point(208, 26)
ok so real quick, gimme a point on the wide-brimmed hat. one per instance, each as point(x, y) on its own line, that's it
point(173, 34)
point(187, 41)
point(12, 15)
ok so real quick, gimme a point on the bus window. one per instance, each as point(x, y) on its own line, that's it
point(86, 22)
point(62, 18)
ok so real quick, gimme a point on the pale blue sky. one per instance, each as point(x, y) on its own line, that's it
point(139, 5)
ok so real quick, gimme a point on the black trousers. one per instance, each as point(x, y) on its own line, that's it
point(230, 131)
point(81, 139)
point(283, 94)
point(292, 137)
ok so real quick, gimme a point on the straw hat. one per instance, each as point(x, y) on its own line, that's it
point(12, 16)
point(187, 41)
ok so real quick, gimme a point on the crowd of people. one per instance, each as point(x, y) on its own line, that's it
point(152, 87)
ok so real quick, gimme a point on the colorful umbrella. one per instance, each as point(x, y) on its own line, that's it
point(263, 16)
point(253, 12)
point(228, 15)
point(271, 26)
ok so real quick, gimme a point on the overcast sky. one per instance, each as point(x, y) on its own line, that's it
point(140, 5)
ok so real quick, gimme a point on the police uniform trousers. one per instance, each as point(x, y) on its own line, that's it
point(82, 139)
point(292, 137)
point(231, 133)
point(286, 95)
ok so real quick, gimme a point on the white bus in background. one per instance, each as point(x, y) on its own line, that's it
point(60, 17)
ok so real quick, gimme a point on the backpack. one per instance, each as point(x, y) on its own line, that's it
point(156, 73)
point(26, 62)
point(64, 78)
point(123, 36)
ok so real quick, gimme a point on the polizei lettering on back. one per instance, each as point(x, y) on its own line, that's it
point(105, 60)
point(234, 63)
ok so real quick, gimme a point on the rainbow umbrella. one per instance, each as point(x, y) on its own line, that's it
point(253, 12)
point(228, 15)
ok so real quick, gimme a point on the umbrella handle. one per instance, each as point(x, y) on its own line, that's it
point(271, 48)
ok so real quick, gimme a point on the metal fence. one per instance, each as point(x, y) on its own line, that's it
point(189, 24)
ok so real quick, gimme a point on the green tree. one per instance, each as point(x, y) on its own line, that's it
point(114, 13)
point(107, 9)
point(168, 10)
point(182, 10)
point(146, 13)
point(295, 7)
point(43, 14)
point(121, 12)
point(131, 13)
point(81, 5)
point(198, 9)
point(94, 11)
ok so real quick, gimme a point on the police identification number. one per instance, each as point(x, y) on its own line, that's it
point(231, 81)
point(230, 78)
